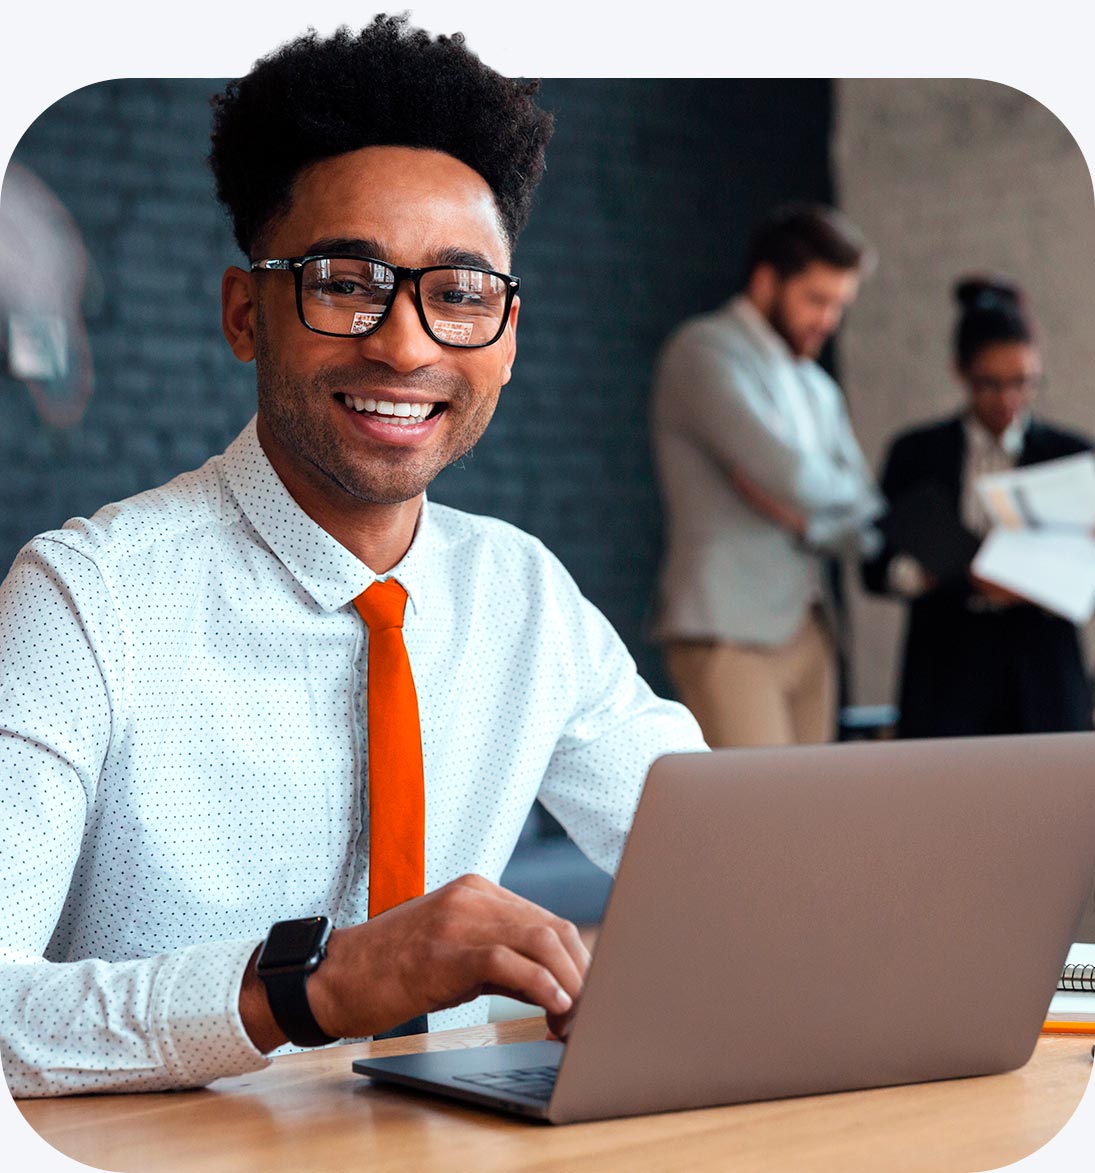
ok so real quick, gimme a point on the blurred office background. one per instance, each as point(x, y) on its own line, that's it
point(652, 187)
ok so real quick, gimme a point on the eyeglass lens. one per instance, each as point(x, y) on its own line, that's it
point(348, 296)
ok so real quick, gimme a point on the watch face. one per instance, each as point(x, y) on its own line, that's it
point(294, 944)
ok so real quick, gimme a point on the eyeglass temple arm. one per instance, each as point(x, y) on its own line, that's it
point(279, 264)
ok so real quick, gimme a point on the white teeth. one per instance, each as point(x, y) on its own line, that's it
point(402, 414)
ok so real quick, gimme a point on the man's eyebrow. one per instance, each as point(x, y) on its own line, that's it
point(464, 258)
point(351, 246)
point(357, 247)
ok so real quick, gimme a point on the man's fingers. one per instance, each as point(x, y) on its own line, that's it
point(542, 944)
point(559, 1024)
point(575, 946)
point(516, 910)
point(504, 970)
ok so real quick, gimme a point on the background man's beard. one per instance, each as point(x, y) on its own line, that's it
point(778, 321)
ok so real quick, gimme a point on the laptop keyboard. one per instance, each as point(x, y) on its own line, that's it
point(535, 1082)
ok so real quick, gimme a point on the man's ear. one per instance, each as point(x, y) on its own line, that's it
point(763, 285)
point(509, 341)
point(239, 311)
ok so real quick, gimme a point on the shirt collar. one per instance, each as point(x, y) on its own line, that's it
point(1010, 442)
point(325, 568)
point(762, 331)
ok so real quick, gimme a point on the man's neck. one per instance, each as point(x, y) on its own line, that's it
point(762, 326)
point(379, 535)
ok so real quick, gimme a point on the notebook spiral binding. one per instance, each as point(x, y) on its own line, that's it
point(1077, 977)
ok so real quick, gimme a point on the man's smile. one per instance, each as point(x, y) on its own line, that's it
point(401, 412)
point(391, 420)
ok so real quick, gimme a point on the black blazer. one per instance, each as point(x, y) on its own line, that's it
point(1019, 669)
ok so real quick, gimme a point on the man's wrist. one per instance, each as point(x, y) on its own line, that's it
point(335, 988)
point(321, 993)
point(255, 1013)
point(291, 954)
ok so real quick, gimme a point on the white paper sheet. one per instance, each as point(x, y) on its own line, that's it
point(1055, 493)
point(1043, 545)
point(1054, 570)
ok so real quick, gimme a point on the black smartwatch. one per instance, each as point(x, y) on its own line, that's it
point(292, 950)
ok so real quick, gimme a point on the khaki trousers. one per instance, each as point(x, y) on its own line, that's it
point(746, 694)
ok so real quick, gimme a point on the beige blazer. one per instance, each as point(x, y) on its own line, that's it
point(728, 392)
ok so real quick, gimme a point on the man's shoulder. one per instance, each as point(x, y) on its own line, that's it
point(714, 341)
point(720, 328)
point(490, 549)
point(171, 516)
point(456, 527)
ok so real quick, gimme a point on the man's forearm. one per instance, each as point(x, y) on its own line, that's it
point(153, 1024)
point(767, 505)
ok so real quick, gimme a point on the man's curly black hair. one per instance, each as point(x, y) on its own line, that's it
point(389, 85)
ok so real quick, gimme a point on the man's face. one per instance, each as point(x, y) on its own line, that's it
point(806, 308)
point(408, 207)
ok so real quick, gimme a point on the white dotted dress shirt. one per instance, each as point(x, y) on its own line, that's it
point(182, 754)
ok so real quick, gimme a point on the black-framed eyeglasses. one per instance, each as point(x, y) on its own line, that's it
point(350, 297)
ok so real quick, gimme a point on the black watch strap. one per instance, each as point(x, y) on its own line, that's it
point(292, 951)
point(287, 994)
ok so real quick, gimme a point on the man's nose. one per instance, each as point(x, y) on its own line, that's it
point(401, 342)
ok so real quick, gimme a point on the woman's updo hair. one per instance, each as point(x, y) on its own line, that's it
point(993, 310)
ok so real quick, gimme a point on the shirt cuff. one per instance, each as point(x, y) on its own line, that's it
point(829, 528)
point(196, 1013)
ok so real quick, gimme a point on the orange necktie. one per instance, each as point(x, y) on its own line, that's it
point(397, 798)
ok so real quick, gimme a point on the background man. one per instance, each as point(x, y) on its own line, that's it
point(283, 689)
point(761, 478)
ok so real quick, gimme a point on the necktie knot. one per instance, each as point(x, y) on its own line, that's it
point(382, 605)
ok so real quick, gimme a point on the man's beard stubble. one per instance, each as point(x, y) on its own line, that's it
point(294, 413)
point(777, 319)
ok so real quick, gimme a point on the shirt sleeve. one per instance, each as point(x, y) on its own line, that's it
point(719, 398)
point(616, 730)
point(833, 528)
point(85, 1025)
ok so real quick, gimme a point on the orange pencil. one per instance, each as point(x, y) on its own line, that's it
point(1063, 1027)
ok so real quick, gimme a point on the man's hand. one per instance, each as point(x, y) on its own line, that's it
point(766, 505)
point(468, 938)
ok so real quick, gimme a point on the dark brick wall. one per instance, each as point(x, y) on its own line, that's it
point(651, 188)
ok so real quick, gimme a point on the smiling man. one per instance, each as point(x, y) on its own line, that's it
point(268, 734)
point(763, 482)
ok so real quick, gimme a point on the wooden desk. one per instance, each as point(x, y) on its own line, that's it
point(310, 1111)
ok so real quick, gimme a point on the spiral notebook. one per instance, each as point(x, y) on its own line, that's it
point(1075, 997)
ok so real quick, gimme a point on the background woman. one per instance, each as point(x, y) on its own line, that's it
point(977, 659)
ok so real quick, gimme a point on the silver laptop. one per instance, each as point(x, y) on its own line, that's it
point(793, 921)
